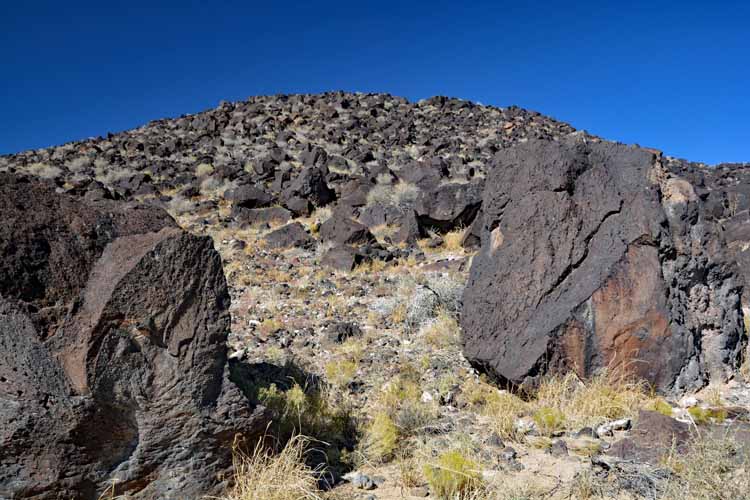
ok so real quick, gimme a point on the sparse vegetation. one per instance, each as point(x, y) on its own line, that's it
point(203, 170)
point(453, 476)
point(715, 468)
point(381, 438)
point(44, 170)
point(400, 195)
point(266, 475)
point(704, 416)
point(452, 240)
point(443, 331)
point(340, 373)
point(549, 420)
point(608, 395)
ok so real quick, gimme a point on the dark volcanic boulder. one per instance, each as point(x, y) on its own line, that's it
point(113, 362)
point(342, 230)
point(593, 255)
point(290, 235)
point(653, 437)
point(261, 215)
point(343, 258)
point(310, 185)
point(248, 197)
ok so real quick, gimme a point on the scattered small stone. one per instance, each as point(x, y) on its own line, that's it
point(586, 432)
point(495, 441)
point(689, 402)
point(420, 491)
point(608, 428)
point(360, 481)
point(559, 448)
point(508, 453)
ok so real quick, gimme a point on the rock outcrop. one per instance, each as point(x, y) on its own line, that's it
point(595, 256)
point(113, 363)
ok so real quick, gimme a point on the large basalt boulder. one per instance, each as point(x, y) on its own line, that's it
point(113, 360)
point(595, 256)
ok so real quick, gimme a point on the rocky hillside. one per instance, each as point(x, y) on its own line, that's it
point(356, 233)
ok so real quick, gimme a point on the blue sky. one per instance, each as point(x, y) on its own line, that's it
point(671, 75)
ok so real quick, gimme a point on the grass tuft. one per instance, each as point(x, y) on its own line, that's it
point(265, 475)
point(453, 476)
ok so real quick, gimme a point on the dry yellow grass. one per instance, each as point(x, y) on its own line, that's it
point(584, 403)
point(264, 475)
point(442, 332)
point(452, 240)
point(269, 326)
point(715, 468)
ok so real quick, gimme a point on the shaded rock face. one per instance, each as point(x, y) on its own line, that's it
point(113, 363)
point(594, 255)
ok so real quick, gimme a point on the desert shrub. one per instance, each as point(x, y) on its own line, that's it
point(401, 195)
point(401, 400)
point(409, 473)
point(381, 438)
point(449, 289)
point(44, 170)
point(505, 409)
point(204, 169)
point(265, 475)
point(548, 420)
point(452, 239)
point(269, 326)
point(180, 205)
point(442, 331)
point(585, 486)
point(421, 309)
point(453, 476)
point(308, 411)
point(108, 174)
point(407, 415)
point(660, 406)
point(341, 372)
point(78, 164)
point(704, 416)
point(213, 187)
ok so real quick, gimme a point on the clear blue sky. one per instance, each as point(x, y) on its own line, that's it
point(671, 75)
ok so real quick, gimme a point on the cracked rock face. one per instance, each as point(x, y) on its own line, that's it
point(594, 255)
point(113, 362)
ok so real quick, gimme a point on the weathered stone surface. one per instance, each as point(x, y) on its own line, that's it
point(652, 438)
point(342, 230)
point(248, 197)
point(594, 256)
point(267, 215)
point(310, 185)
point(290, 235)
point(343, 258)
point(448, 206)
point(113, 363)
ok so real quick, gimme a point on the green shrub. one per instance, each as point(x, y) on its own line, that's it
point(662, 407)
point(381, 438)
point(340, 373)
point(453, 476)
point(703, 416)
point(548, 420)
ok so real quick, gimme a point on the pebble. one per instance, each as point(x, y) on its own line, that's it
point(420, 491)
point(607, 429)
